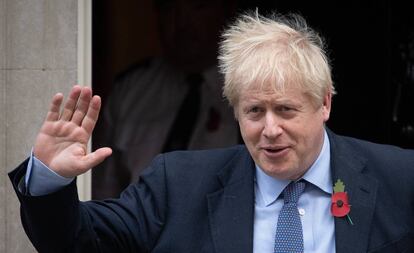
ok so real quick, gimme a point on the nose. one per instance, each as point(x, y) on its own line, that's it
point(272, 126)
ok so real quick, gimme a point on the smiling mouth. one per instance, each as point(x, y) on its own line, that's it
point(275, 150)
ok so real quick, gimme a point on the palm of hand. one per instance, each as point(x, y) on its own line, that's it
point(62, 141)
point(60, 144)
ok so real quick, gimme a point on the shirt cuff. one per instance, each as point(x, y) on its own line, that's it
point(40, 180)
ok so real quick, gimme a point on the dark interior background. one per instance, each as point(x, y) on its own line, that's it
point(371, 46)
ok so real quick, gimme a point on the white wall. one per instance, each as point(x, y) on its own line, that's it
point(38, 57)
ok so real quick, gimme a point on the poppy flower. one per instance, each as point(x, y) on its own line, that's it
point(340, 205)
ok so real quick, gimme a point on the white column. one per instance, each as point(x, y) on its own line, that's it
point(38, 57)
point(84, 182)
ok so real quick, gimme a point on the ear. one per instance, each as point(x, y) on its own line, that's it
point(326, 106)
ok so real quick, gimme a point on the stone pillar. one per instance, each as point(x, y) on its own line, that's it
point(38, 57)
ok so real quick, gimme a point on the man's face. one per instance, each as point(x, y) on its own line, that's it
point(283, 132)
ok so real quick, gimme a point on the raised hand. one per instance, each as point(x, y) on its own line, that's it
point(62, 141)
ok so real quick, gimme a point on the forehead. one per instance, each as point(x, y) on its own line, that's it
point(270, 94)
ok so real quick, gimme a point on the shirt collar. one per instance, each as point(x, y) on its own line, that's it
point(319, 174)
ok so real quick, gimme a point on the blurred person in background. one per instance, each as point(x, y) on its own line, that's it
point(170, 102)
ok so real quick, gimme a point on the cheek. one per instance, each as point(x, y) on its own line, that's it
point(309, 138)
point(250, 131)
point(243, 129)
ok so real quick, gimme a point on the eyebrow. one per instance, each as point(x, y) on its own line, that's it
point(275, 101)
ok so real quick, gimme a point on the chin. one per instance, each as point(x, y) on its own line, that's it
point(275, 172)
point(280, 172)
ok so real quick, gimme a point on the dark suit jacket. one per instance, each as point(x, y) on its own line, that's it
point(204, 202)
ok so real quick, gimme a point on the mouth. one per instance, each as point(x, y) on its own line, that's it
point(275, 150)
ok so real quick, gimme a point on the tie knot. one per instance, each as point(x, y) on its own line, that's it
point(292, 192)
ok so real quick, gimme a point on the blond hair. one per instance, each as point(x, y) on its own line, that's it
point(277, 52)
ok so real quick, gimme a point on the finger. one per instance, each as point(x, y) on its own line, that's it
point(71, 103)
point(53, 113)
point(94, 158)
point(82, 106)
point(92, 115)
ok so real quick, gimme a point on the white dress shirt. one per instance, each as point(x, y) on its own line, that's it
point(314, 207)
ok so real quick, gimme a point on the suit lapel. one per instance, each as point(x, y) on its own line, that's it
point(231, 209)
point(361, 189)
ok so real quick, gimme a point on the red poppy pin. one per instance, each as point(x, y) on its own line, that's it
point(340, 205)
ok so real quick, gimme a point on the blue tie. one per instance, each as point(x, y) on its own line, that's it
point(289, 235)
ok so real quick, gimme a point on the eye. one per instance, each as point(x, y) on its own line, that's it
point(285, 108)
point(287, 111)
point(254, 109)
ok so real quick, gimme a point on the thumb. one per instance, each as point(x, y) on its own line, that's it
point(94, 158)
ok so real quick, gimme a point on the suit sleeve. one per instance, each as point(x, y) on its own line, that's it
point(59, 222)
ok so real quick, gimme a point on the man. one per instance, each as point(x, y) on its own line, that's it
point(294, 187)
point(145, 108)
